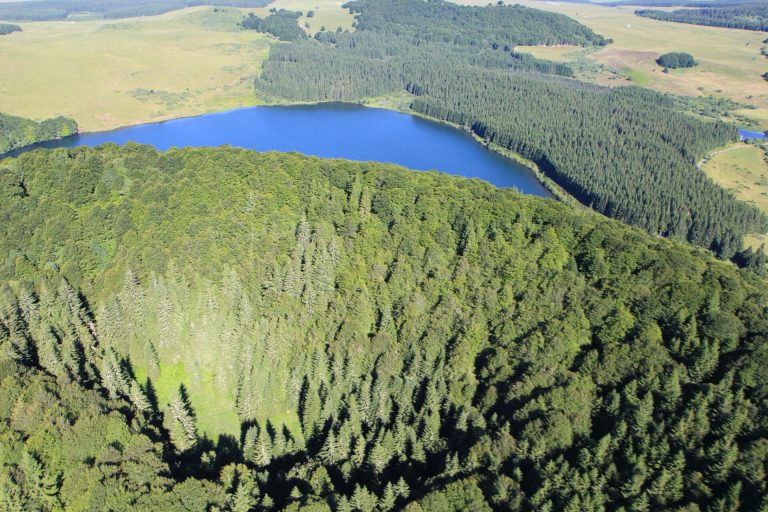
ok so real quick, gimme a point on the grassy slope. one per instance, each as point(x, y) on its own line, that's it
point(743, 169)
point(101, 72)
point(328, 13)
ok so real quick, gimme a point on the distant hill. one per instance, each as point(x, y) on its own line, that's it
point(747, 16)
point(40, 10)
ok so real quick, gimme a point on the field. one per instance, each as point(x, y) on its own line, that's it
point(730, 60)
point(111, 73)
point(107, 74)
point(558, 53)
point(327, 13)
point(742, 169)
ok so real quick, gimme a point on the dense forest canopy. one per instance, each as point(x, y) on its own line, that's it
point(18, 132)
point(8, 28)
point(222, 328)
point(283, 24)
point(46, 10)
point(498, 26)
point(626, 152)
point(748, 16)
point(676, 60)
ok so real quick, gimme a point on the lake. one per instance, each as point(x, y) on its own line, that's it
point(748, 134)
point(331, 130)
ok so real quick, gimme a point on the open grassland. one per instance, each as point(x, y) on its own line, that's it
point(742, 169)
point(327, 13)
point(730, 63)
point(557, 53)
point(111, 73)
point(107, 74)
point(757, 242)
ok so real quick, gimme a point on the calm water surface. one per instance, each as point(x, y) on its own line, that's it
point(334, 131)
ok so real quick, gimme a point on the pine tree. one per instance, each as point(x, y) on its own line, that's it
point(138, 398)
point(11, 495)
point(452, 466)
point(42, 487)
point(363, 499)
point(402, 490)
point(389, 498)
point(243, 500)
point(249, 443)
point(379, 456)
point(180, 424)
point(263, 449)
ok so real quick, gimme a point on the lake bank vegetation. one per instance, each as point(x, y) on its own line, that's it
point(17, 132)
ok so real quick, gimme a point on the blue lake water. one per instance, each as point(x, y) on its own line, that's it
point(332, 130)
point(747, 134)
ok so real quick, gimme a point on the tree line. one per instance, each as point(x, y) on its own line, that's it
point(627, 153)
point(220, 329)
point(48, 10)
point(18, 132)
point(747, 16)
point(8, 28)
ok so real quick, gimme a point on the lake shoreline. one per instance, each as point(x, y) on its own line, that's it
point(359, 131)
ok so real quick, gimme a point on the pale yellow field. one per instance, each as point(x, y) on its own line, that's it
point(557, 53)
point(730, 60)
point(328, 13)
point(106, 74)
point(756, 242)
point(742, 169)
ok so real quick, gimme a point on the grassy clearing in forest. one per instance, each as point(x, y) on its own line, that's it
point(327, 13)
point(743, 169)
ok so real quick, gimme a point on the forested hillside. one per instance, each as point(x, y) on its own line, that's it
point(17, 132)
point(499, 26)
point(47, 10)
point(748, 15)
point(625, 152)
point(246, 331)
